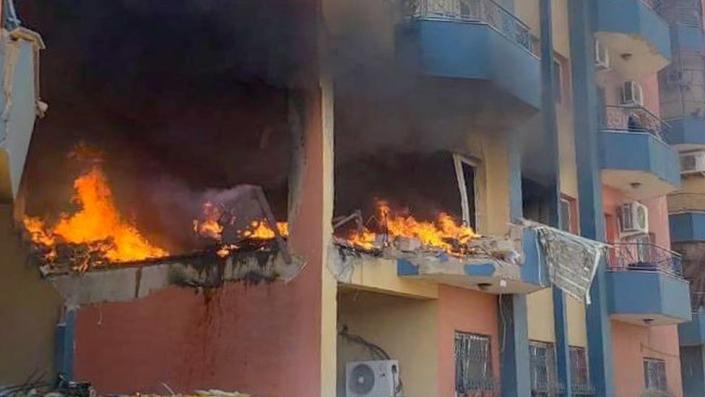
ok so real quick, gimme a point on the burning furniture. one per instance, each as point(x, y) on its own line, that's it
point(95, 254)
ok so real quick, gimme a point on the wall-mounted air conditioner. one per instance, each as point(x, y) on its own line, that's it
point(632, 94)
point(693, 163)
point(602, 56)
point(633, 219)
point(372, 378)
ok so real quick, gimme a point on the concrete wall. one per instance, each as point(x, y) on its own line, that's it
point(632, 343)
point(418, 333)
point(540, 315)
point(29, 309)
point(407, 329)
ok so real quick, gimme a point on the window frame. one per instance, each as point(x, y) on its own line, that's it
point(551, 382)
point(486, 381)
point(573, 224)
point(579, 365)
point(459, 161)
point(650, 364)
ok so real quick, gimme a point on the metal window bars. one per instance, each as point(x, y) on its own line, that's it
point(482, 11)
point(542, 365)
point(633, 119)
point(643, 256)
point(473, 366)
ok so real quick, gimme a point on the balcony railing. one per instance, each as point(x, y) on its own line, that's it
point(629, 256)
point(633, 119)
point(483, 11)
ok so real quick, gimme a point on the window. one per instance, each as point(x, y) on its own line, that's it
point(644, 244)
point(465, 173)
point(579, 374)
point(543, 369)
point(473, 365)
point(569, 214)
point(558, 80)
point(655, 374)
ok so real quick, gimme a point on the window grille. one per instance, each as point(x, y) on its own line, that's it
point(473, 364)
point(655, 374)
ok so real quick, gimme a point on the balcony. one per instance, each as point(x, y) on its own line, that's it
point(645, 285)
point(634, 157)
point(20, 106)
point(687, 133)
point(486, 274)
point(637, 37)
point(692, 333)
point(474, 46)
point(686, 216)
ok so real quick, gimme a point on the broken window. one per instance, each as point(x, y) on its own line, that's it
point(542, 365)
point(473, 364)
point(465, 172)
point(655, 374)
point(579, 373)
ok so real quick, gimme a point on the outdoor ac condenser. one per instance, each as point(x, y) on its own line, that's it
point(692, 163)
point(372, 378)
point(633, 219)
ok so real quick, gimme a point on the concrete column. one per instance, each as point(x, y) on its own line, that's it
point(550, 134)
point(581, 16)
point(513, 323)
point(310, 216)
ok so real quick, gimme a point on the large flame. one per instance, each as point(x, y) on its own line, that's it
point(443, 233)
point(97, 224)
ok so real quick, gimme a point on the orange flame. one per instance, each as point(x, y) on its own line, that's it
point(436, 234)
point(209, 226)
point(97, 224)
point(261, 230)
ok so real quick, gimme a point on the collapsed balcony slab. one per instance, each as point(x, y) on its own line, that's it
point(121, 283)
point(494, 269)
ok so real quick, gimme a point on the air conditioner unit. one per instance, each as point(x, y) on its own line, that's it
point(692, 163)
point(632, 94)
point(372, 378)
point(633, 219)
point(602, 56)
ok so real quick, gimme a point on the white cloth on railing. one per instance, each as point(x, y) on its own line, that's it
point(571, 260)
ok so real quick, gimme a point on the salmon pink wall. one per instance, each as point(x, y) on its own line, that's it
point(466, 311)
point(631, 344)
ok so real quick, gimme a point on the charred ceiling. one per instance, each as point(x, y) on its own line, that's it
point(179, 102)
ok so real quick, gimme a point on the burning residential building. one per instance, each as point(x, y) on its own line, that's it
point(336, 198)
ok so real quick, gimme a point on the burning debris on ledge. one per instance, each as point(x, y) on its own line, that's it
point(203, 270)
point(94, 253)
point(441, 247)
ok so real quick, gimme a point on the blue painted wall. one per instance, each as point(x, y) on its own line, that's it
point(477, 51)
point(633, 17)
point(688, 226)
point(692, 371)
point(648, 293)
point(686, 130)
point(693, 332)
point(640, 152)
point(687, 38)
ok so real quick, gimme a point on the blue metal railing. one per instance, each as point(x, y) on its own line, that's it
point(629, 256)
point(633, 119)
point(484, 11)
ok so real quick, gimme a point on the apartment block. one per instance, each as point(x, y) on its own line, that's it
point(353, 198)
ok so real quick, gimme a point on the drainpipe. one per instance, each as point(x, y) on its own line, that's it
point(581, 14)
point(550, 130)
point(64, 343)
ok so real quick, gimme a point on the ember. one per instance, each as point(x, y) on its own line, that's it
point(445, 233)
point(97, 225)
